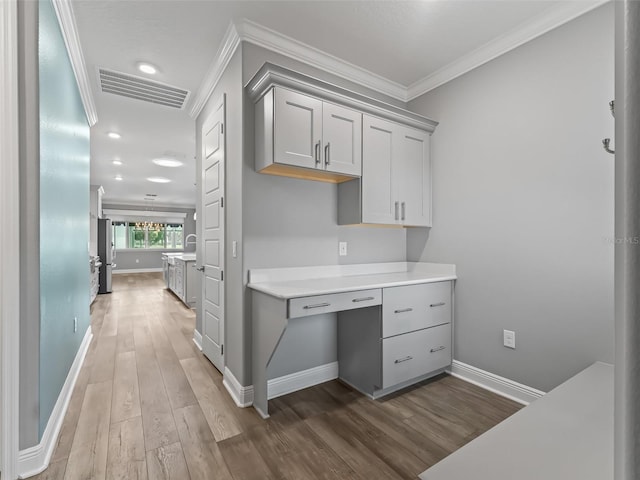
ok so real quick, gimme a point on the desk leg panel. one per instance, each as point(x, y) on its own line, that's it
point(269, 321)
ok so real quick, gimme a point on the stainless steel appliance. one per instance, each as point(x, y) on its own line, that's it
point(107, 254)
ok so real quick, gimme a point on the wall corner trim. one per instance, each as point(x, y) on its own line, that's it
point(34, 460)
point(550, 19)
point(515, 391)
point(9, 240)
point(67, 21)
point(242, 396)
point(229, 44)
point(197, 339)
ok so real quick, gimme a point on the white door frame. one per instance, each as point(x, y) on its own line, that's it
point(9, 241)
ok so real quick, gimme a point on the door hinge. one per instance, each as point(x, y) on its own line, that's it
point(222, 275)
point(222, 129)
point(221, 349)
point(221, 202)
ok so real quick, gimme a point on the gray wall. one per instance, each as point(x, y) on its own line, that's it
point(292, 222)
point(523, 203)
point(147, 259)
point(230, 85)
point(29, 225)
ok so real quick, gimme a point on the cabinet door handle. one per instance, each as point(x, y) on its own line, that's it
point(317, 305)
point(327, 151)
point(364, 299)
point(437, 349)
point(403, 310)
point(396, 210)
point(317, 152)
point(439, 304)
point(405, 359)
point(403, 211)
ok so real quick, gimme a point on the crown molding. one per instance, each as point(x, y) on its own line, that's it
point(270, 39)
point(549, 20)
point(67, 22)
point(230, 43)
point(251, 32)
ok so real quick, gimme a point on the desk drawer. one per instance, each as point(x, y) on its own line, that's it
point(414, 354)
point(414, 307)
point(335, 302)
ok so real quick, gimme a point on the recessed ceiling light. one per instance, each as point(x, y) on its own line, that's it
point(167, 162)
point(147, 68)
point(117, 162)
point(158, 180)
point(118, 177)
point(113, 135)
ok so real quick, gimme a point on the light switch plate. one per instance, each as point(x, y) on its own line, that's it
point(342, 248)
point(509, 338)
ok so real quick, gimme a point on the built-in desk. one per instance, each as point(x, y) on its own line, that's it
point(417, 338)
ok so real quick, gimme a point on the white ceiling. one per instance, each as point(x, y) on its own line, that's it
point(402, 41)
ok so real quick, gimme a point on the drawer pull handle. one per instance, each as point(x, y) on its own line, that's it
point(317, 305)
point(364, 299)
point(405, 359)
point(439, 304)
point(437, 349)
point(403, 310)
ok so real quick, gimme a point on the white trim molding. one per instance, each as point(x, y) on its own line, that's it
point(9, 241)
point(276, 387)
point(247, 31)
point(552, 18)
point(495, 383)
point(34, 460)
point(67, 21)
point(197, 339)
point(136, 270)
point(276, 42)
point(303, 379)
point(242, 396)
point(228, 47)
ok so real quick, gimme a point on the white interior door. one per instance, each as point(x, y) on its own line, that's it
point(212, 208)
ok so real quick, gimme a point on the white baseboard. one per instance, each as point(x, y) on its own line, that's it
point(136, 270)
point(494, 383)
point(34, 460)
point(299, 380)
point(242, 396)
point(197, 339)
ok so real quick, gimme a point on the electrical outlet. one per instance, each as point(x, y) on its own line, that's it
point(342, 248)
point(137, 260)
point(75, 324)
point(509, 338)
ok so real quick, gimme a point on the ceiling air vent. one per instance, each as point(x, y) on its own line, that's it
point(142, 89)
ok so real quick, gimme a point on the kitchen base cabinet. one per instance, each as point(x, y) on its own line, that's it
point(184, 280)
point(378, 363)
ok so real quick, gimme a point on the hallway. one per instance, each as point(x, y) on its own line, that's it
point(147, 404)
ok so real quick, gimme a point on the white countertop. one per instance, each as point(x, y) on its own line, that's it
point(565, 435)
point(185, 257)
point(298, 282)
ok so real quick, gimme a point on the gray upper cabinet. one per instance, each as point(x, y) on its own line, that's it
point(297, 129)
point(377, 153)
point(303, 132)
point(395, 188)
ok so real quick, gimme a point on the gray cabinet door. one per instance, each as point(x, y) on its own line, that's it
point(342, 139)
point(379, 198)
point(414, 176)
point(297, 129)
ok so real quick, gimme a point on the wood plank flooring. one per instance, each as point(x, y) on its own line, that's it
point(148, 405)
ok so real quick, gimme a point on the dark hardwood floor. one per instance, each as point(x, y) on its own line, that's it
point(148, 405)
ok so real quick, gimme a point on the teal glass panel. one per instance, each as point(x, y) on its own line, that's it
point(64, 212)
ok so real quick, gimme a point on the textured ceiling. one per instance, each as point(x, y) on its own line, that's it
point(403, 41)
